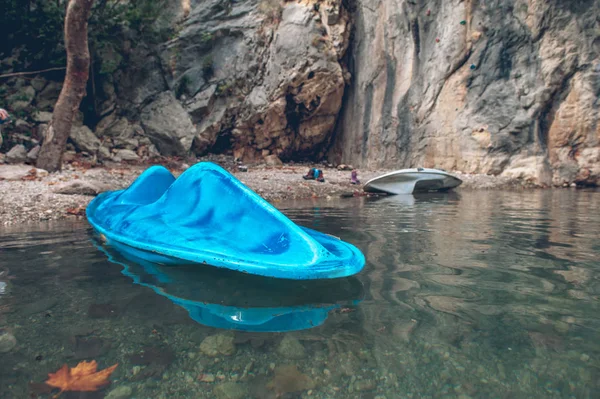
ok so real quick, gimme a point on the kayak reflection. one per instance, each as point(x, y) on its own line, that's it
point(231, 300)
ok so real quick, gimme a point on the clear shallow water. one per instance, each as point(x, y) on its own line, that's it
point(472, 294)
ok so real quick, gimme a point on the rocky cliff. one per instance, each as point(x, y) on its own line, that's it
point(506, 87)
point(256, 78)
point(503, 87)
point(261, 79)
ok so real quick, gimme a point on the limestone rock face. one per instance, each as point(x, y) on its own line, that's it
point(255, 78)
point(168, 125)
point(500, 87)
point(293, 112)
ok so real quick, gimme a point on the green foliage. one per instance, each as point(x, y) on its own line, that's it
point(229, 87)
point(20, 114)
point(110, 58)
point(225, 87)
point(35, 27)
point(20, 97)
point(38, 27)
point(206, 37)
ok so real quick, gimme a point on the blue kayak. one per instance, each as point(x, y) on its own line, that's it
point(207, 216)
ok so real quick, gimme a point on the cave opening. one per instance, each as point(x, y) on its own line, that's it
point(223, 144)
point(292, 113)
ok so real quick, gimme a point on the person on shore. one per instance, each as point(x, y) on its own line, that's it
point(354, 177)
point(314, 174)
point(3, 116)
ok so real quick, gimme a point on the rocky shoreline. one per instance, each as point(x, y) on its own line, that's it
point(33, 195)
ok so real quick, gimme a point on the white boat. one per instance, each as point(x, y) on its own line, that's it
point(408, 181)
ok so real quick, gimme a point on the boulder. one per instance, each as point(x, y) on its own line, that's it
point(168, 125)
point(32, 155)
point(119, 127)
point(39, 83)
point(143, 80)
point(46, 99)
point(199, 106)
point(17, 172)
point(291, 348)
point(42, 116)
point(103, 152)
point(17, 154)
point(216, 345)
point(22, 99)
point(80, 187)
point(125, 155)
point(273, 160)
point(128, 144)
point(84, 140)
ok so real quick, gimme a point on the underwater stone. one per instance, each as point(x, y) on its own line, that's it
point(216, 345)
point(230, 390)
point(348, 364)
point(291, 348)
point(122, 392)
point(364, 385)
point(7, 341)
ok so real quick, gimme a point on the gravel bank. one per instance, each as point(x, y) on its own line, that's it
point(34, 197)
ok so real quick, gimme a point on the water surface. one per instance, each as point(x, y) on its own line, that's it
point(465, 295)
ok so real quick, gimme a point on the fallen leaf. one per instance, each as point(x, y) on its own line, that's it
point(78, 211)
point(31, 175)
point(82, 377)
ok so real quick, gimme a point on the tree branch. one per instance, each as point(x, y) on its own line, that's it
point(10, 75)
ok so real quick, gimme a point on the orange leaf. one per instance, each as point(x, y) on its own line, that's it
point(82, 377)
point(77, 211)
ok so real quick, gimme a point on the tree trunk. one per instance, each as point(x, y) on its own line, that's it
point(73, 90)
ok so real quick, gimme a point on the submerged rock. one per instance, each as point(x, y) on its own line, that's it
point(291, 348)
point(88, 348)
point(154, 355)
point(122, 392)
point(219, 344)
point(288, 379)
point(348, 364)
point(230, 390)
point(7, 341)
point(364, 385)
